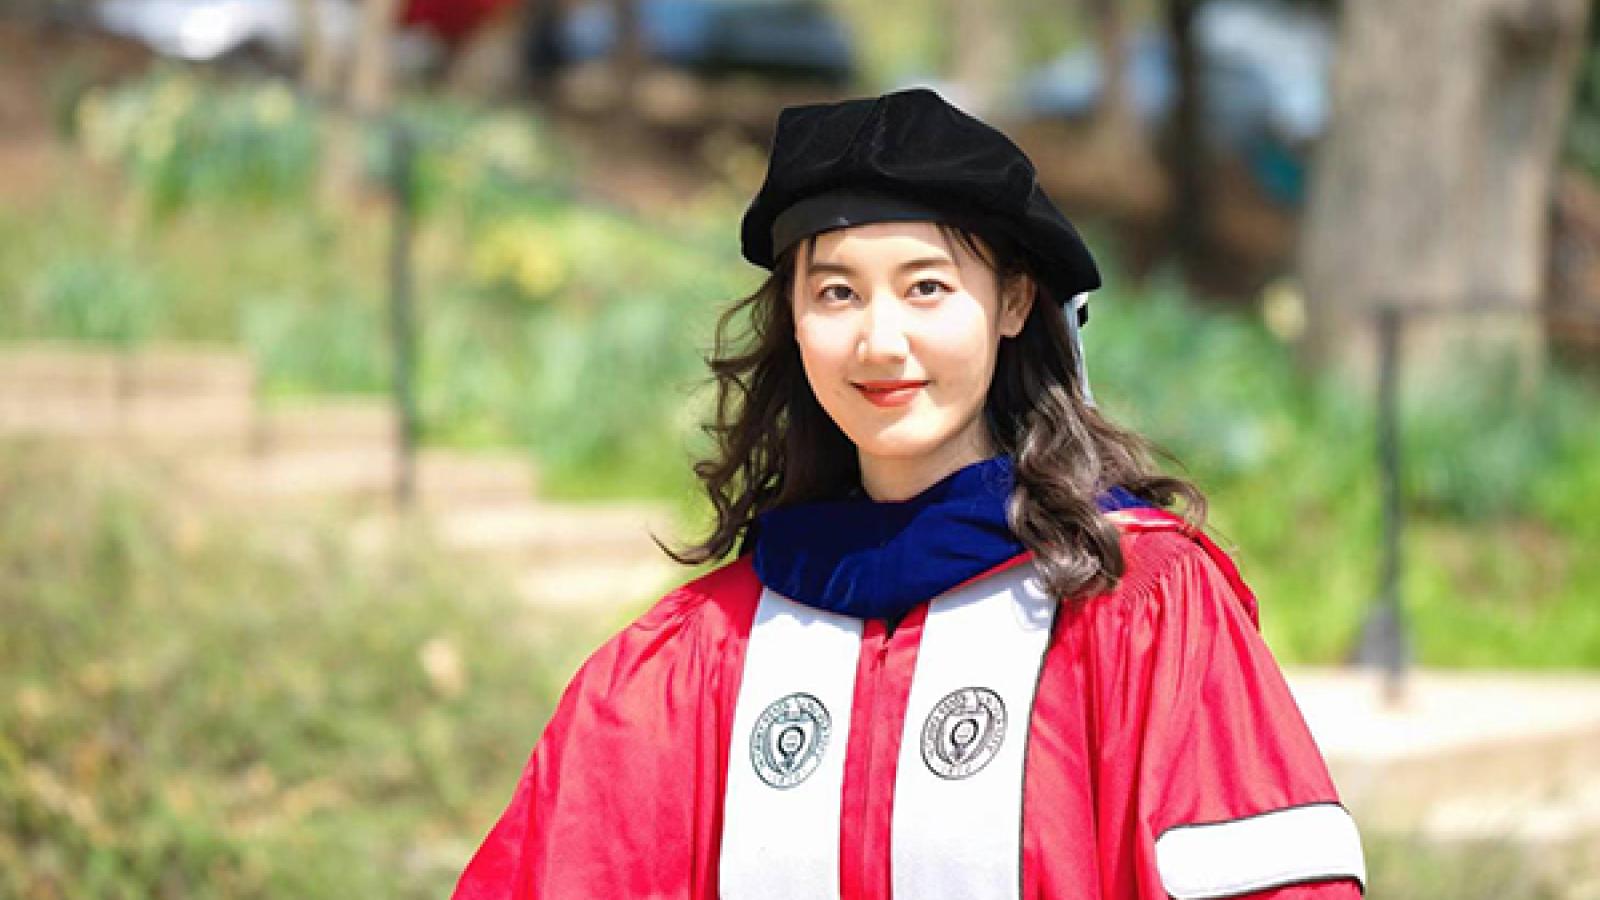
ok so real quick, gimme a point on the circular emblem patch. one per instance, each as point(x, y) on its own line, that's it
point(964, 731)
point(787, 743)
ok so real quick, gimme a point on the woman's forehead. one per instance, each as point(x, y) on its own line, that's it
point(879, 244)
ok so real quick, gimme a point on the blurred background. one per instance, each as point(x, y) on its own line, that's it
point(351, 350)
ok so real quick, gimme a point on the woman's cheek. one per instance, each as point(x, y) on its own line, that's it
point(823, 338)
point(956, 327)
point(960, 358)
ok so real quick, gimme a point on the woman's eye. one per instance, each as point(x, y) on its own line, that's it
point(928, 287)
point(828, 294)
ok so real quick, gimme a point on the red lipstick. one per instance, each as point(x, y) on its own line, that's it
point(889, 393)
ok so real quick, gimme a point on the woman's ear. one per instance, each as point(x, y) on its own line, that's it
point(1016, 300)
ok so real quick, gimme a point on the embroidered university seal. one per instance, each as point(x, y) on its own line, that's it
point(964, 731)
point(790, 736)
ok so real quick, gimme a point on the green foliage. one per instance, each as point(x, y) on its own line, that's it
point(334, 344)
point(472, 157)
point(182, 140)
point(1481, 443)
point(1500, 486)
point(586, 415)
point(190, 707)
point(577, 332)
point(91, 296)
point(1239, 407)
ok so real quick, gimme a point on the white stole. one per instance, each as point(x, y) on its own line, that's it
point(958, 788)
point(957, 819)
point(780, 825)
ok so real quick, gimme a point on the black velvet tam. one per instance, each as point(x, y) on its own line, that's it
point(884, 158)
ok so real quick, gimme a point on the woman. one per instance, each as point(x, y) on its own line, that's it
point(963, 650)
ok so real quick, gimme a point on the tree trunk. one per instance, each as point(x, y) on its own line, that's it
point(1433, 185)
point(367, 98)
point(982, 54)
point(1111, 37)
point(370, 75)
point(627, 60)
point(1132, 185)
point(316, 57)
point(488, 64)
point(1188, 156)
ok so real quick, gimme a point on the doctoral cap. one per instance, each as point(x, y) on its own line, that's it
point(909, 156)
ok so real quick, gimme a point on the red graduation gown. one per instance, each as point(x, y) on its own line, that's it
point(1159, 708)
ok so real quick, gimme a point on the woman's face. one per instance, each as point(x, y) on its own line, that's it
point(898, 330)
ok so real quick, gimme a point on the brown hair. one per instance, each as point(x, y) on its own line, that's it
point(775, 445)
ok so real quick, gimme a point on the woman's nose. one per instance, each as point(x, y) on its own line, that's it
point(883, 335)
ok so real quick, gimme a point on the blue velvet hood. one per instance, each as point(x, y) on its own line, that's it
point(878, 560)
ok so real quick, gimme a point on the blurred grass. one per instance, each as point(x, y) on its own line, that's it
point(195, 707)
point(1411, 867)
point(192, 706)
point(1499, 554)
point(576, 332)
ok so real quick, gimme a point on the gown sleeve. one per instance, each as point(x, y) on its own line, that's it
point(1210, 784)
point(620, 797)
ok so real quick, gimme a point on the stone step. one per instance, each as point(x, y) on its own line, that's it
point(1458, 740)
point(330, 423)
point(446, 480)
point(1530, 816)
point(1553, 839)
point(450, 479)
point(172, 370)
point(361, 473)
point(40, 369)
point(154, 424)
point(547, 532)
point(37, 368)
point(164, 397)
point(198, 399)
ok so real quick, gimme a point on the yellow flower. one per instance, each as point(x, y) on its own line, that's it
point(174, 97)
point(95, 128)
point(522, 254)
point(273, 105)
point(1283, 308)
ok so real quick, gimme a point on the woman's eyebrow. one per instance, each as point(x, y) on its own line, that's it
point(842, 269)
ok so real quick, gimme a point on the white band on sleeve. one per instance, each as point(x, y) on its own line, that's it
point(1316, 842)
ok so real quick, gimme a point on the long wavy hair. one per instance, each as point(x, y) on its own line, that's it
point(774, 444)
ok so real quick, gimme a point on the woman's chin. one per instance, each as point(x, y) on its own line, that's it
point(899, 441)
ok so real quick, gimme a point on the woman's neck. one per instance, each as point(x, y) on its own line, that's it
point(897, 479)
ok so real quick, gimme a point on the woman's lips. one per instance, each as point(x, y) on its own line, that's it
point(889, 393)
